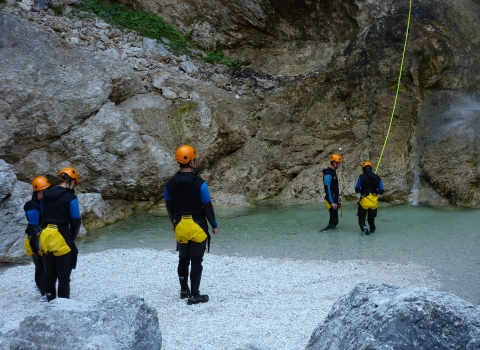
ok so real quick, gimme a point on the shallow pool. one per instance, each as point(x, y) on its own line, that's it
point(446, 240)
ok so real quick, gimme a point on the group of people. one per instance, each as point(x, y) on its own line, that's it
point(368, 185)
point(54, 222)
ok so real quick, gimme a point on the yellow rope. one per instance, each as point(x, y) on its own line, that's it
point(398, 87)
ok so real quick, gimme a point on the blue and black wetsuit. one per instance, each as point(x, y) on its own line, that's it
point(61, 215)
point(32, 247)
point(332, 194)
point(368, 185)
point(189, 207)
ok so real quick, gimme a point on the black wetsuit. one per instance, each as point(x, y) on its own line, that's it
point(332, 194)
point(368, 183)
point(60, 207)
point(187, 194)
point(34, 217)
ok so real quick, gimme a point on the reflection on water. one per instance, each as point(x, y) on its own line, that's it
point(444, 239)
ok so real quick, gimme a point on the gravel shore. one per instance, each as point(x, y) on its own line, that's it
point(254, 302)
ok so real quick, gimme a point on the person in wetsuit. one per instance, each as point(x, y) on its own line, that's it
point(61, 216)
point(368, 185)
point(34, 217)
point(332, 192)
point(189, 207)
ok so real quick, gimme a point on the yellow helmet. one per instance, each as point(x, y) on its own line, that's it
point(336, 158)
point(70, 172)
point(367, 163)
point(40, 183)
point(185, 154)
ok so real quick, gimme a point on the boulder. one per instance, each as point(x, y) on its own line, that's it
point(389, 317)
point(118, 323)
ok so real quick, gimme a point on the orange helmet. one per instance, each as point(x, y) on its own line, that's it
point(40, 183)
point(336, 158)
point(185, 154)
point(70, 172)
point(367, 163)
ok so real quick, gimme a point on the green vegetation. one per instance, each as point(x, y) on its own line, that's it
point(149, 25)
point(58, 9)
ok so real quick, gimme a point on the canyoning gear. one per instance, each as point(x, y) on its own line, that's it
point(188, 230)
point(185, 154)
point(60, 207)
point(192, 198)
point(197, 299)
point(32, 246)
point(61, 215)
point(40, 183)
point(368, 185)
point(43, 299)
point(52, 241)
point(336, 158)
point(398, 86)
point(190, 210)
point(70, 172)
point(365, 230)
point(367, 163)
point(184, 293)
point(330, 182)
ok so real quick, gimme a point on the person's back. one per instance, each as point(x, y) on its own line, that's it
point(369, 185)
point(61, 215)
point(189, 207)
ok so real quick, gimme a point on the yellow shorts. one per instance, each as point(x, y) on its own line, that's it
point(369, 202)
point(188, 230)
point(52, 241)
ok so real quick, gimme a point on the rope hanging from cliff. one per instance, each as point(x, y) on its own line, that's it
point(398, 86)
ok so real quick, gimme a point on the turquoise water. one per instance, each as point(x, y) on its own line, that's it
point(444, 239)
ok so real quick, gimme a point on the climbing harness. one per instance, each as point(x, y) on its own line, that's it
point(398, 86)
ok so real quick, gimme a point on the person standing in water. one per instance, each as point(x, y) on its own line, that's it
point(189, 207)
point(369, 185)
point(61, 216)
point(332, 191)
point(34, 217)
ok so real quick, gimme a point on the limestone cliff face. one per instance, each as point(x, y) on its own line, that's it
point(317, 78)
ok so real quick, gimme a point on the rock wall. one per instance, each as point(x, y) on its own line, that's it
point(315, 79)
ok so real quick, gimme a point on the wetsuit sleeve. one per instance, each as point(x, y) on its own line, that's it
point(33, 217)
point(169, 204)
point(358, 186)
point(75, 218)
point(327, 180)
point(207, 205)
point(380, 189)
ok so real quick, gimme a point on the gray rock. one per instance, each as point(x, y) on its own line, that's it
point(152, 49)
point(382, 317)
point(116, 323)
point(7, 179)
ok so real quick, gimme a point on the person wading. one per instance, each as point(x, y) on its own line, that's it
point(368, 185)
point(332, 192)
point(34, 217)
point(189, 207)
point(61, 215)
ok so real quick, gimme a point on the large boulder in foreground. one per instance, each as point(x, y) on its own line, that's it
point(114, 323)
point(389, 317)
